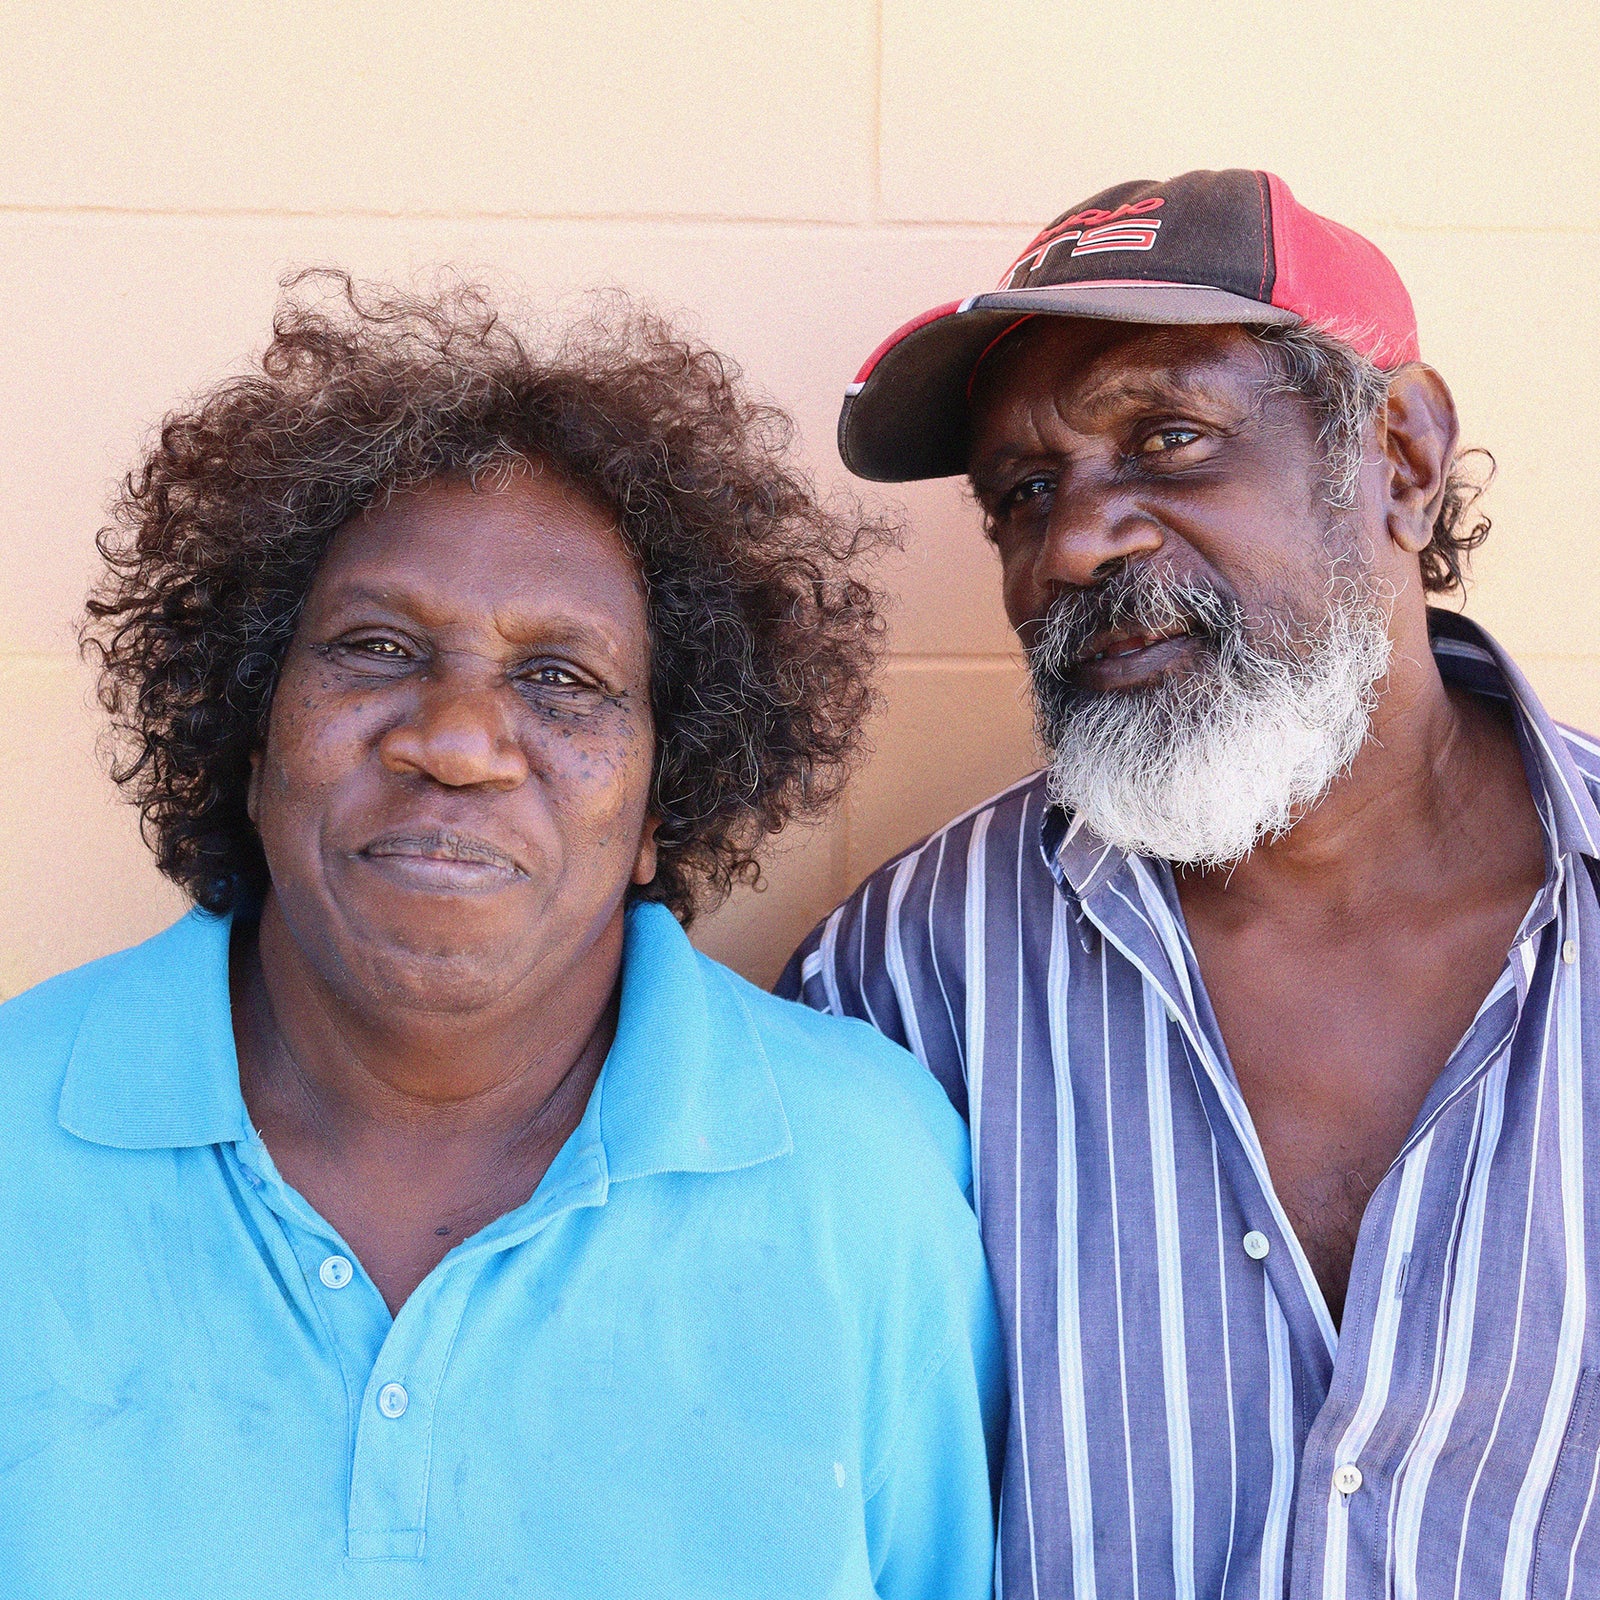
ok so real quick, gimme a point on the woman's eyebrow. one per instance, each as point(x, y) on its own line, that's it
point(526, 629)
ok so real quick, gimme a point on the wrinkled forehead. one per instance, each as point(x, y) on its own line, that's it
point(1088, 372)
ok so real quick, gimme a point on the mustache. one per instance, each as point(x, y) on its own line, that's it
point(1141, 599)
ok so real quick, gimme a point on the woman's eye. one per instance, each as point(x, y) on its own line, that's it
point(559, 691)
point(550, 676)
point(1168, 439)
point(552, 679)
point(377, 649)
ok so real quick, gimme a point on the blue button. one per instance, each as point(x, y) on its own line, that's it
point(336, 1271)
point(393, 1400)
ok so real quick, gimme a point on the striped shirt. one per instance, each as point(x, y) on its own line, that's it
point(1185, 1419)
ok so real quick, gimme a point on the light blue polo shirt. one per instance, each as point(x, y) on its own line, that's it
point(740, 1342)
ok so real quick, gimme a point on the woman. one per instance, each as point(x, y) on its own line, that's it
point(421, 1215)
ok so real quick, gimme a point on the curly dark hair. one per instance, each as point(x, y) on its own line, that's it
point(764, 634)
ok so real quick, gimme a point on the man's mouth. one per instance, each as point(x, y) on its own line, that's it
point(1118, 643)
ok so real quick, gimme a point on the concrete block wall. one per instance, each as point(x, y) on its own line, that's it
point(794, 180)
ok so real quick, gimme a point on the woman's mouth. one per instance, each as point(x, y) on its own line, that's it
point(443, 859)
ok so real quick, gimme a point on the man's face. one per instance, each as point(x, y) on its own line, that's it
point(1205, 629)
point(1097, 443)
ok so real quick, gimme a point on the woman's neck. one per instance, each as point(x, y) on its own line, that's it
point(410, 1130)
point(367, 1072)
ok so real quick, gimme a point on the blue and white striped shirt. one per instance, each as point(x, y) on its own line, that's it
point(1185, 1419)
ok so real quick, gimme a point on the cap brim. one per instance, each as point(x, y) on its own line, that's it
point(906, 416)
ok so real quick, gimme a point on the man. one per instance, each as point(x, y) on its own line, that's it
point(1273, 1003)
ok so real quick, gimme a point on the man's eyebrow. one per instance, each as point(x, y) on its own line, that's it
point(1159, 387)
point(982, 474)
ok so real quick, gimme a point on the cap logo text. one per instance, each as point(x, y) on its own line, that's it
point(1090, 232)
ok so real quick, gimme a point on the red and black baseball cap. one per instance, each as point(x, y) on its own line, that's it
point(1207, 247)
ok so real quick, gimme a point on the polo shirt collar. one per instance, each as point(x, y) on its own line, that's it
point(1082, 863)
point(687, 1086)
point(153, 1066)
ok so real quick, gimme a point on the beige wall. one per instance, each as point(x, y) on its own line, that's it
point(798, 177)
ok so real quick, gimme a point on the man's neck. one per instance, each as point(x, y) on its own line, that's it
point(1408, 801)
point(1345, 962)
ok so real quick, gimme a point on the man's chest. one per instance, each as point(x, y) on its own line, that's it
point(1164, 1311)
point(1335, 1031)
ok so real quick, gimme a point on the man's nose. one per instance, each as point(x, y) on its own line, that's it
point(459, 733)
point(1093, 527)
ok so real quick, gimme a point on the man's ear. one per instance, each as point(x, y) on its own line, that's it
point(252, 793)
point(1418, 431)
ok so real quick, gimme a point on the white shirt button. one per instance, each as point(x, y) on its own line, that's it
point(393, 1400)
point(1256, 1245)
point(336, 1272)
point(1569, 951)
point(1347, 1479)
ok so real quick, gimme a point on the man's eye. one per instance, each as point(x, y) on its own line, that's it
point(1024, 493)
point(1167, 439)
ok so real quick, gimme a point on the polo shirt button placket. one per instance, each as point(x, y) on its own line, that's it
point(394, 1440)
point(388, 1486)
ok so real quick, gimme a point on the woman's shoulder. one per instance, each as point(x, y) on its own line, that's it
point(39, 1026)
point(39, 1029)
point(877, 1190)
point(116, 1002)
point(850, 1092)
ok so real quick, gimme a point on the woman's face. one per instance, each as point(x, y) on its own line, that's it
point(454, 792)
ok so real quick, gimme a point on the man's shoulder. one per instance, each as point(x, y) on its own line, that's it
point(896, 952)
point(1017, 805)
point(1584, 750)
point(993, 839)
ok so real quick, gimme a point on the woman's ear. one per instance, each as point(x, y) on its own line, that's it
point(1418, 431)
point(644, 864)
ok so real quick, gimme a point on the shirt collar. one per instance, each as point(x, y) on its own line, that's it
point(687, 1086)
point(1467, 655)
point(1082, 863)
point(153, 1066)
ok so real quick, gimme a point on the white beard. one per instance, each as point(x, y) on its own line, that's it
point(1202, 768)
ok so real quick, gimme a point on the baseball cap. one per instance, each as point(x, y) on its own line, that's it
point(1206, 247)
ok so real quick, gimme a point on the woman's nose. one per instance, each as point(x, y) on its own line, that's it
point(457, 734)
